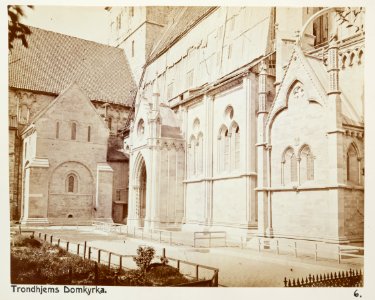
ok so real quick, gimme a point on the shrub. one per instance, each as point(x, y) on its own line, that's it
point(144, 257)
point(21, 241)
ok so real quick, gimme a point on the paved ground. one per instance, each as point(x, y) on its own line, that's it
point(237, 267)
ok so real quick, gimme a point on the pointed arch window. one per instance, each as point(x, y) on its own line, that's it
point(289, 167)
point(352, 165)
point(237, 152)
point(306, 167)
point(73, 133)
point(199, 154)
point(191, 156)
point(226, 150)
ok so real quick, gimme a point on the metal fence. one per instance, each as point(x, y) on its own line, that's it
point(351, 278)
point(114, 260)
point(313, 249)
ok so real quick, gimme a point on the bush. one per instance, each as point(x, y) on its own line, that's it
point(20, 240)
point(144, 257)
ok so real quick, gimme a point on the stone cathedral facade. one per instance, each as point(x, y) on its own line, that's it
point(245, 119)
point(250, 120)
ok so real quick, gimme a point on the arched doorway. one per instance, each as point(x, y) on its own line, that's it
point(142, 193)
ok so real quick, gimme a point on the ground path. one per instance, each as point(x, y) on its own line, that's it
point(237, 267)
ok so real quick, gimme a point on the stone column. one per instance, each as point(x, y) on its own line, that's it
point(185, 129)
point(262, 155)
point(335, 136)
point(208, 157)
point(35, 195)
point(152, 219)
point(103, 199)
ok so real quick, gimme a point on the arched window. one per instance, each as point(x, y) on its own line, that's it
point(237, 152)
point(57, 129)
point(89, 134)
point(306, 167)
point(71, 183)
point(235, 147)
point(191, 156)
point(293, 168)
point(226, 150)
point(199, 154)
point(223, 149)
point(74, 131)
point(289, 167)
point(352, 165)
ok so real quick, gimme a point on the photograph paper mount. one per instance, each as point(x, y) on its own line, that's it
point(231, 145)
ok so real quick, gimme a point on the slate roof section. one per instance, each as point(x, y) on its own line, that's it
point(182, 20)
point(54, 60)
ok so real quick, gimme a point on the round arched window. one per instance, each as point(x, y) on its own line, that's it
point(141, 128)
point(229, 112)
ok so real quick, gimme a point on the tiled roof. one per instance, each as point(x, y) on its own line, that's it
point(181, 21)
point(53, 60)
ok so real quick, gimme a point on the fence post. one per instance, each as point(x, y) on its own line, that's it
point(78, 249)
point(109, 259)
point(51, 238)
point(45, 236)
point(67, 246)
point(163, 252)
point(84, 249)
point(89, 255)
point(40, 234)
point(196, 272)
point(178, 265)
point(216, 279)
point(96, 271)
point(120, 263)
point(99, 253)
point(295, 249)
point(58, 243)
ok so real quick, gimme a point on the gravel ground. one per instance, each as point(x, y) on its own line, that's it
point(237, 267)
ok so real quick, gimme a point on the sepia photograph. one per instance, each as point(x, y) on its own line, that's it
point(185, 146)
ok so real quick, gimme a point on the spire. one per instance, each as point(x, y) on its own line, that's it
point(333, 69)
point(262, 93)
point(155, 94)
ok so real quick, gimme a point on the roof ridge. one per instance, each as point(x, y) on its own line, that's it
point(71, 36)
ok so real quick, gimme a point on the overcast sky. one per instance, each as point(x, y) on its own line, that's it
point(90, 23)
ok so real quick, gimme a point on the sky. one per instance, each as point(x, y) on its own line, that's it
point(90, 22)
